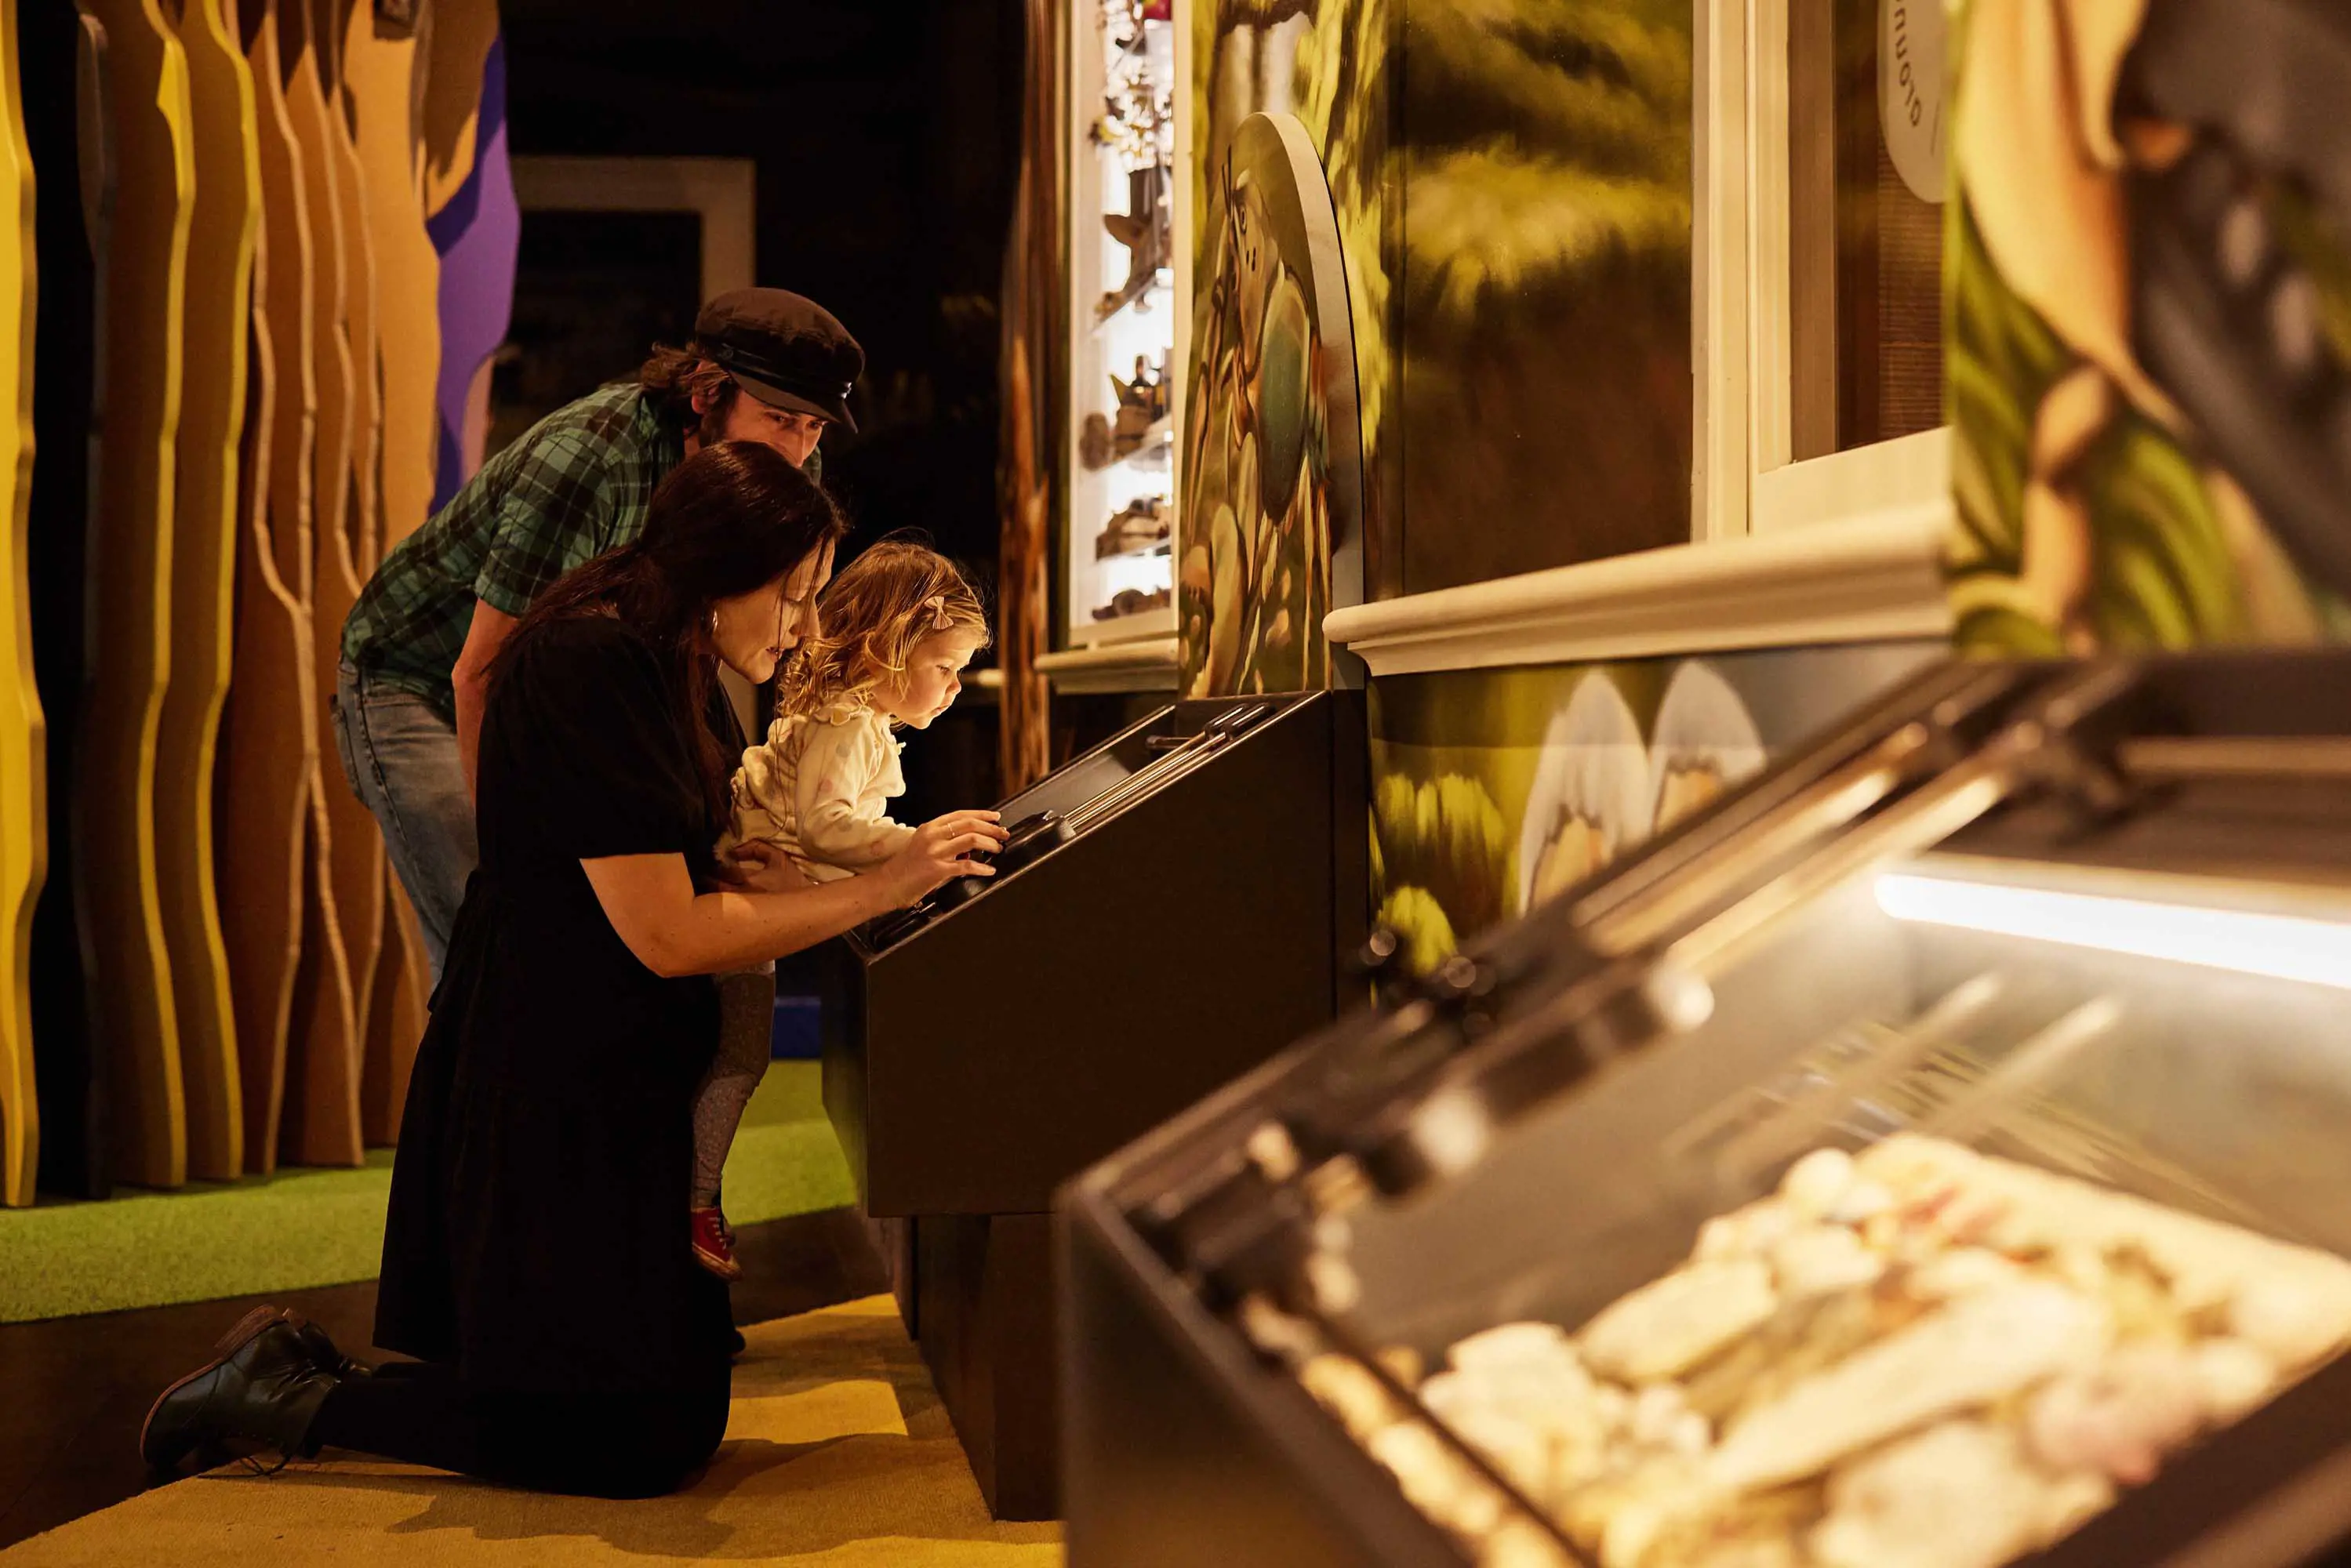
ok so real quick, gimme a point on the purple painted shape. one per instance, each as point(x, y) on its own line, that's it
point(478, 234)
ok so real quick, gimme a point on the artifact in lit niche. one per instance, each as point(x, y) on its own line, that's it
point(1095, 441)
point(1919, 1357)
point(1141, 527)
point(1272, 451)
point(1147, 230)
point(1132, 601)
point(1138, 119)
point(2149, 332)
point(1142, 404)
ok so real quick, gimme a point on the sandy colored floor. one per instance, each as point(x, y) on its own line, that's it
point(837, 1454)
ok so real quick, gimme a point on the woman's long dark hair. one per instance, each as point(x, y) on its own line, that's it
point(729, 520)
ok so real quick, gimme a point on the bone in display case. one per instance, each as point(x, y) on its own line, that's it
point(1930, 1155)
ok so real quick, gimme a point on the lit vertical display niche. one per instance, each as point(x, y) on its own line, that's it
point(1119, 571)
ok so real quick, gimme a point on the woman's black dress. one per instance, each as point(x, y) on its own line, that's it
point(538, 1234)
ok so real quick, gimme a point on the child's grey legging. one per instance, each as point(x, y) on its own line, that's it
point(746, 1017)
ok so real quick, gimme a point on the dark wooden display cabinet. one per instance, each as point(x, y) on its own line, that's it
point(1183, 912)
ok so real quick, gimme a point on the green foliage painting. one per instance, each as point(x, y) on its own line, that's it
point(1511, 184)
point(2147, 353)
point(1542, 283)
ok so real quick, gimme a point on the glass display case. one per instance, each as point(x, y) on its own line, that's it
point(1931, 1156)
point(1118, 568)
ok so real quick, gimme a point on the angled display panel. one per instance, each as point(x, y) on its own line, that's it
point(1171, 908)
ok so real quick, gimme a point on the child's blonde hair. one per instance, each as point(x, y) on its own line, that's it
point(898, 592)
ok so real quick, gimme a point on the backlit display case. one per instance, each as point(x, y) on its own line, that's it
point(1118, 575)
point(1932, 1155)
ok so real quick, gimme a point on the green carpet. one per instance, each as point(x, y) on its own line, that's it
point(302, 1228)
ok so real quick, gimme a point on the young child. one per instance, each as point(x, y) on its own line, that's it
point(899, 625)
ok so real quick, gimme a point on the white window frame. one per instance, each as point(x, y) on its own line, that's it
point(1836, 550)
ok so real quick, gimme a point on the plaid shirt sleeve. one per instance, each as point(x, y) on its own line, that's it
point(555, 513)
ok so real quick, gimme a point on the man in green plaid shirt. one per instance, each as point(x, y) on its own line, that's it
point(417, 645)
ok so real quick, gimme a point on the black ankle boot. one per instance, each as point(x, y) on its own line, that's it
point(322, 1349)
point(261, 1392)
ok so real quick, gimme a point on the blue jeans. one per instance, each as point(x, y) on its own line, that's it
point(401, 757)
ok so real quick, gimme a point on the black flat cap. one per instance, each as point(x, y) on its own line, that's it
point(787, 351)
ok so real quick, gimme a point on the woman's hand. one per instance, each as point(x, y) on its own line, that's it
point(939, 852)
point(758, 866)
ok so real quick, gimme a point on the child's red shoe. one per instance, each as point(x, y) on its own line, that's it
point(714, 1244)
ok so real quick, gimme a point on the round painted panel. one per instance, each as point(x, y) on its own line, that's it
point(1273, 452)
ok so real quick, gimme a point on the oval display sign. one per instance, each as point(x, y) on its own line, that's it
point(1910, 92)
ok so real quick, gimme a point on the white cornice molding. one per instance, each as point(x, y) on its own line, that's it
point(1147, 665)
point(1859, 579)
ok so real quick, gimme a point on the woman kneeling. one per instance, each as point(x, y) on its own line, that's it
point(534, 1259)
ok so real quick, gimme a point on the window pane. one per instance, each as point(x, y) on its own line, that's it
point(1865, 113)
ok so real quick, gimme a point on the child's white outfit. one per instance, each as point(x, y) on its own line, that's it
point(821, 786)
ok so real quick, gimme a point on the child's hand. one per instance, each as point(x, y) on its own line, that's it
point(940, 851)
point(757, 866)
